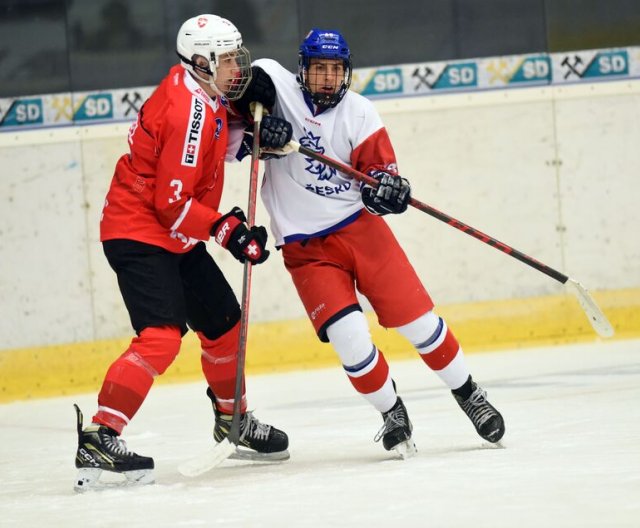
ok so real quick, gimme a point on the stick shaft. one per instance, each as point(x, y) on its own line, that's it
point(443, 217)
point(234, 433)
point(596, 317)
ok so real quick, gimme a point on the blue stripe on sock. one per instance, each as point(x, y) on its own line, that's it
point(362, 364)
point(435, 335)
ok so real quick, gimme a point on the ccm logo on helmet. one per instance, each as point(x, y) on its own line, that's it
point(194, 133)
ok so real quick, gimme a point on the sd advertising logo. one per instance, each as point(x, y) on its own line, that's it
point(594, 65)
point(515, 70)
point(93, 107)
point(381, 81)
point(452, 76)
point(23, 112)
point(533, 69)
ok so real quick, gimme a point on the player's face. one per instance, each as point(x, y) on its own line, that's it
point(325, 75)
point(231, 75)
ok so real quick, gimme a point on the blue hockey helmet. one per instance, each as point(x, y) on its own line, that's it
point(324, 44)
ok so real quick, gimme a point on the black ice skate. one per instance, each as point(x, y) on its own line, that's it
point(485, 418)
point(100, 449)
point(396, 431)
point(257, 441)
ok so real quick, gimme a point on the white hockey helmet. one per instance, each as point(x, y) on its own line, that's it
point(217, 40)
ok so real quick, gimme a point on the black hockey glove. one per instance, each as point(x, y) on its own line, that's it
point(391, 196)
point(232, 233)
point(275, 133)
point(260, 89)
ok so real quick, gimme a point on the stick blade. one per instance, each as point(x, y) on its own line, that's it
point(207, 461)
point(598, 320)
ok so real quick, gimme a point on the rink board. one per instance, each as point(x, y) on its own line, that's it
point(292, 345)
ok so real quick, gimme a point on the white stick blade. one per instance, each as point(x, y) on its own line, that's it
point(597, 319)
point(207, 461)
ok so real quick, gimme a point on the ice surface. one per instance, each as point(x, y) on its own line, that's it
point(570, 456)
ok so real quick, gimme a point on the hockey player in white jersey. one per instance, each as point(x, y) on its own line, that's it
point(335, 240)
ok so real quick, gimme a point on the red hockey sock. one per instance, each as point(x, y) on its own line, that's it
point(130, 377)
point(442, 352)
point(219, 363)
point(370, 375)
point(444, 356)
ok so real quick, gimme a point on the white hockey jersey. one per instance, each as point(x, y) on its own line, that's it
point(306, 198)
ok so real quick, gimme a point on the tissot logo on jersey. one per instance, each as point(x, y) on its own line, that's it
point(194, 133)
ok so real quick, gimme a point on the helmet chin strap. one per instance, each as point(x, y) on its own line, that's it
point(216, 89)
point(210, 81)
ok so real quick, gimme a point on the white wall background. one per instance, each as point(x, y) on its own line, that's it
point(550, 171)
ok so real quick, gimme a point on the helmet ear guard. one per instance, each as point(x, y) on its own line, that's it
point(196, 67)
point(217, 40)
point(324, 44)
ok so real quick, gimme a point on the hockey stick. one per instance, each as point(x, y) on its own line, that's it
point(223, 450)
point(597, 319)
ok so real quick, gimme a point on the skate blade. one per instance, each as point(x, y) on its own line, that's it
point(406, 449)
point(247, 454)
point(89, 479)
point(208, 460)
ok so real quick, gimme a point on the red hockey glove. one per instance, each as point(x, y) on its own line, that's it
point(232, 233)
point(391, 196)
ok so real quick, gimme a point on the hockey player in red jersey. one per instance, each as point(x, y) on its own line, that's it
point(161, 207)
point(334, 239)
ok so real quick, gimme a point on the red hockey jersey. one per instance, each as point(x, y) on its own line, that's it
point(166, 190)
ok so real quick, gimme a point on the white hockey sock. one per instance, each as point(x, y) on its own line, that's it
point(363, 363)
point(438, 348)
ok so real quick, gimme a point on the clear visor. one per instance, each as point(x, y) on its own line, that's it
point(233, 73)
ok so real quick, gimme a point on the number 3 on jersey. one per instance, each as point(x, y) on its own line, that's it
point(176, 192)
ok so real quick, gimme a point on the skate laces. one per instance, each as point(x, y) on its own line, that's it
point(115, 444)
point(477, 407)
point(394, 419)
point(253, 428)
